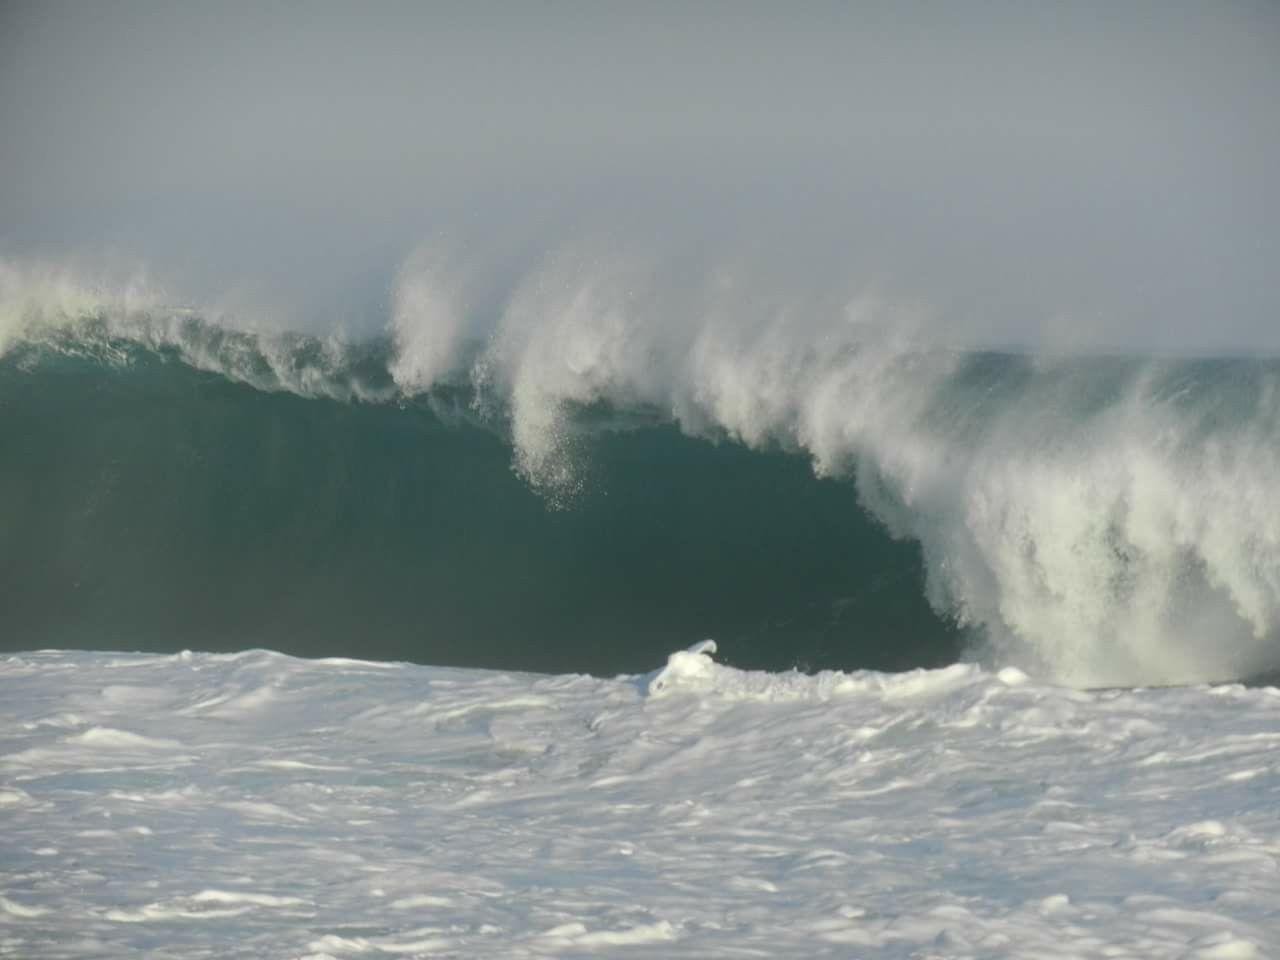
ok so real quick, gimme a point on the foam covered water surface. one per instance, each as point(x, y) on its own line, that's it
point(257, 805)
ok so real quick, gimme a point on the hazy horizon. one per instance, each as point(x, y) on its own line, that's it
point(1089, 174)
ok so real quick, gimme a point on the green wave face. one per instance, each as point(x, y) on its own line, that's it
point(146, 505)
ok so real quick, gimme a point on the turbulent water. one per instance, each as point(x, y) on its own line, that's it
point(255, 805)
point(585, 477)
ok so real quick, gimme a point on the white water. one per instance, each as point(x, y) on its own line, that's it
point(253, 805)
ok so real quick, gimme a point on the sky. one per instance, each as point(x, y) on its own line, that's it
point(1087, 173)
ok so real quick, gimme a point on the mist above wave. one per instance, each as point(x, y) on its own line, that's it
point(1097, 519)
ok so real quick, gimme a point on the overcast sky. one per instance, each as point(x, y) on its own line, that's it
point(1024, 164)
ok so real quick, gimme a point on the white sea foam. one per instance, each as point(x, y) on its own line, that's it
point(697, 811)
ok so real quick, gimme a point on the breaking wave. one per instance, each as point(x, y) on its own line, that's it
point(1096, 518)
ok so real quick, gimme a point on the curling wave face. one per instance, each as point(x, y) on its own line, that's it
point(1097, 519)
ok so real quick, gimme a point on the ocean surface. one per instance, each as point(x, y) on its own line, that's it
point(329, 646)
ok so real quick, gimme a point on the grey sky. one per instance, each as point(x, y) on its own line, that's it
point(1012, 164)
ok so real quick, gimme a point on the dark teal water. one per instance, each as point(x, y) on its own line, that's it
point(145, 505)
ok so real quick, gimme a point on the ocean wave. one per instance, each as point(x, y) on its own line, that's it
point(1096, 519)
